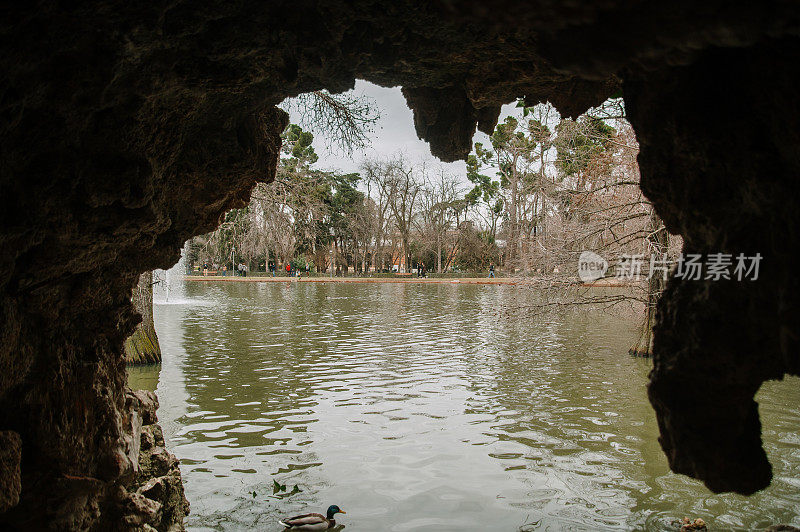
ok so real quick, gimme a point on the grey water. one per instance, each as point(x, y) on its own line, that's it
point(429, 407)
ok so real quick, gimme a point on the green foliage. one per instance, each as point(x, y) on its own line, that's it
point(581, 141)
point(297, 143)
point(485, 192)
point(485, 189)
point(299, 263)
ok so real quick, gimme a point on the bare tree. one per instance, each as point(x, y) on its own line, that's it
point(377, 182)
point(440, 205)
point(595, 204)
point(396, 180)
point(404, 188)
point(345, 119)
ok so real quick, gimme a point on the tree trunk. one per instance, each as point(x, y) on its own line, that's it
point(439, 255)
point(406, 254)
point(659, 243)
point(142, 347)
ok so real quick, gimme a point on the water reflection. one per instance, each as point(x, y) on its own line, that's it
point(427, 407)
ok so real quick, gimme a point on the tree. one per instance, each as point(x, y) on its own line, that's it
point(485, 194)
point(581, 145)
point(302, 213)
point(475, 251)
point(595, 204)
point(346, 119)
point(399, 179)
point(377, 181)
point(439, 207)
point(518, 154)
point(345, 204)
point(288, 214)
point(142, 347)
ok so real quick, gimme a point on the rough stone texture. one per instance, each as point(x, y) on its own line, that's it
point(722, 168)
point(10, 458)
point(147, 405)
point(128, 127)
point(153, 497)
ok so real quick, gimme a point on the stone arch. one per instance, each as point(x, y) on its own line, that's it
point(129, 128)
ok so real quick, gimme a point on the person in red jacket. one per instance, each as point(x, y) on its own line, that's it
point(288, 269)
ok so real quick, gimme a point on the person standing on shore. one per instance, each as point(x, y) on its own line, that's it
point(491, 271)
point(288, 270)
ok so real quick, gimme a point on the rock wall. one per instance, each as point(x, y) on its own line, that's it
point(720, 160)
point(10, 458)
point(129, 127)
point(154, 498)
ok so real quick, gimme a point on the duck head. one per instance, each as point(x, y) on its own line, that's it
point(333, 509)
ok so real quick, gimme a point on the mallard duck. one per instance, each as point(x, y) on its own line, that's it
point(313, 522)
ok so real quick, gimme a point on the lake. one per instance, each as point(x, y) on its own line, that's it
point(429, 407)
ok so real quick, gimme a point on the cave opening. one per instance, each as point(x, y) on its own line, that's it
point(125, 133)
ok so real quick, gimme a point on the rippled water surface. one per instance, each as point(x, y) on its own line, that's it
point(429, 407)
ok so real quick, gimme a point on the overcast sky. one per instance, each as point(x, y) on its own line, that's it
point(393, 133)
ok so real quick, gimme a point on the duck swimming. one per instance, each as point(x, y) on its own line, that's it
point(312, 522)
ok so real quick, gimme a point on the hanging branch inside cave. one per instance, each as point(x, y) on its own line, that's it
point(346, 120)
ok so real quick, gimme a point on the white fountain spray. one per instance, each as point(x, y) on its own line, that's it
point(171, 281)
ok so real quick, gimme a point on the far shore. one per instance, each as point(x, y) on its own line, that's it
point(604, 283)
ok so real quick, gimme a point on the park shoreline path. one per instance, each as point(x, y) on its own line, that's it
point(402, 280)
point(397, 280)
